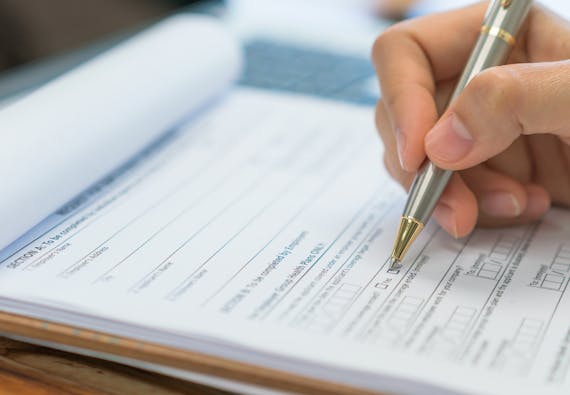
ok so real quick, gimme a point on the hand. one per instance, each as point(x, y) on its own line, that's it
point(507, 135)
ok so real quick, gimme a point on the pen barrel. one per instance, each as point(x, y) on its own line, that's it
point(500, 26)
point(496, 39)
point(425, 192)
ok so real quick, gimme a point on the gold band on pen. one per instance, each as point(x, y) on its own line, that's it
point(500, 33)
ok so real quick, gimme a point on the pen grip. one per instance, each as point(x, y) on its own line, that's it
point(501, 24)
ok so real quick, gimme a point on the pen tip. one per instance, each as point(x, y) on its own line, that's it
point(407, 232)
point(394, 263)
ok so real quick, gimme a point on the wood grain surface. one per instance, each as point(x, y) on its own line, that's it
point(33, 370)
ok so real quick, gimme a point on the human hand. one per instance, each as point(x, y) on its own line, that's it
point(507, 135)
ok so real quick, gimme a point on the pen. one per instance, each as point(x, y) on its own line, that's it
point(501, 24)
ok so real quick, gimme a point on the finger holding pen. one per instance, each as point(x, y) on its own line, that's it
point(417, 63)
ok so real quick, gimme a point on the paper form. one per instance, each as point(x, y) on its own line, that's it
point(261, 231)
point(65, 136)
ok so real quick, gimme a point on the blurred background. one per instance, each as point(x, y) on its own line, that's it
point(42, 39)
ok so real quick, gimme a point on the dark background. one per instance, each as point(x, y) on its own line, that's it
point(31, 30)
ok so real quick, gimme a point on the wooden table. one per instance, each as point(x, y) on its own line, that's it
point(32, 370)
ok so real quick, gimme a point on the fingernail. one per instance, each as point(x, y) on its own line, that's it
point(537, 203)
point(401, 143)
point(449, 140)
point(446, 218)
point(500, 204)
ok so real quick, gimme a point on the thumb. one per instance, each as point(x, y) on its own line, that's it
point(497, 106)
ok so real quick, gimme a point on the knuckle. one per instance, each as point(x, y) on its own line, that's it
point(386, 162)
point(385, 39)
point(390, 166)
point(391, 100)
point(378, 113)
point(496, 90)
point(380, 116)
point(495, 93)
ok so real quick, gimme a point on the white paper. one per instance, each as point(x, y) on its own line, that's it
point(70, 133)
point(260, 233)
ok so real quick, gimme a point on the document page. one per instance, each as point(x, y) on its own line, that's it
point(69, 133)
point(260, 231)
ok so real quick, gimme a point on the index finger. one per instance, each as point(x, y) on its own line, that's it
point(410, 58)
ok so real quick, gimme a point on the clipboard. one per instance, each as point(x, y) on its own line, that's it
point(104, 344)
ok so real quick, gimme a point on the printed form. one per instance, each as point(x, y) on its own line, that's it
point(283, 234)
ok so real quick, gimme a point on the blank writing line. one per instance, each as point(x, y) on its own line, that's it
point(310, 201)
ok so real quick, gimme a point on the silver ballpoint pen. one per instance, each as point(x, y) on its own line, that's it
point(500, 27)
